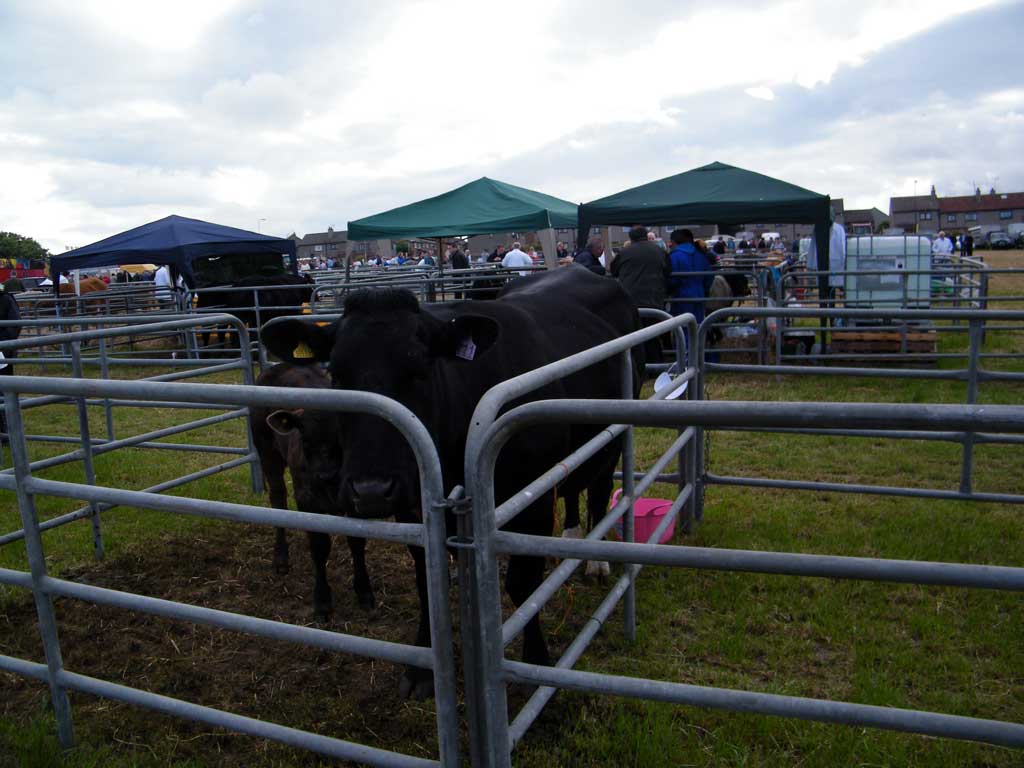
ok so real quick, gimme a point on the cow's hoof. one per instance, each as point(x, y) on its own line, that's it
point(366, 600)
point(416, 684)
point(322, 612)
point(576, 532)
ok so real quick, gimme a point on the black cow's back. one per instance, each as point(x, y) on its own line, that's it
point(542, 318)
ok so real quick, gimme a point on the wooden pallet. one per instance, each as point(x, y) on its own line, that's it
point(921, 344)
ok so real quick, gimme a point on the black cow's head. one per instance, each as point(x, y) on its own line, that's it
point(385, 344)
point(313, 456)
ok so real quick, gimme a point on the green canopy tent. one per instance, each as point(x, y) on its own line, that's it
point(714, 194)
point(480, 207)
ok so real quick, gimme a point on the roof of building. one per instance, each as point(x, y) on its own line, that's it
point(1001, 201)
point(856, 215)
point(320, 238)
point(910, 203)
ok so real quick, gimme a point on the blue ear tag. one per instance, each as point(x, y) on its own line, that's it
point(467, 349)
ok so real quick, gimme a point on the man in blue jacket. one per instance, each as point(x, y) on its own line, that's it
point(685, 257)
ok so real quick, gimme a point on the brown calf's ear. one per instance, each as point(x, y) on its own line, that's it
point(285, 422)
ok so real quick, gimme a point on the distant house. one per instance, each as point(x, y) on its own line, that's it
point(864, 221)
point(990, 212)
point(329, 244)
point(915, 214)
point(336, 245)
point(930, 213)
point(792, 232)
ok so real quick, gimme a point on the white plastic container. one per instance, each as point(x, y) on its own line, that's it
point(894, 258)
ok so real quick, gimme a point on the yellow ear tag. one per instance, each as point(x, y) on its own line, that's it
point(302, 351)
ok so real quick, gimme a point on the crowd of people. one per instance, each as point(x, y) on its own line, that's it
point(650, 270)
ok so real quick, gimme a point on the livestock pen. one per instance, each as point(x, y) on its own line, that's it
point(904, 646)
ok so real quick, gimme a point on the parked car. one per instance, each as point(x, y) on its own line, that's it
point(999, 240)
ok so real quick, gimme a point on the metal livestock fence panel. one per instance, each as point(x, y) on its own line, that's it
point(90, 446)
point(973, 322)
point(482, 542)
point(430, 535)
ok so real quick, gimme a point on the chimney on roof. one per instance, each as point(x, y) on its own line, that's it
point(933, 190)
point(330, 229)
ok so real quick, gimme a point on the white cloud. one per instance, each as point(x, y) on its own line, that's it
point(111, 112)
point(762, 92)
point(163, 26)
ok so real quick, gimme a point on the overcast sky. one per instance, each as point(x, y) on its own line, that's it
point(293, 117)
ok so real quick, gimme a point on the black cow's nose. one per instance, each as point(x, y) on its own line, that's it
point(373, 488)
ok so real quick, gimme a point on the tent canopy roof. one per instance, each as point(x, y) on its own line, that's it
point(712, 194)
point(172, 240)
point(480, 207)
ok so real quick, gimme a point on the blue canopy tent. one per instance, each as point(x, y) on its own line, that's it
point(175, 241)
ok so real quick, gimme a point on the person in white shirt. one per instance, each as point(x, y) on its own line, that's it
point(942, 251)
point(163, 284)
point(517, 258)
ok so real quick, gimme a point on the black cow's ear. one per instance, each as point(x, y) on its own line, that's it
point(466, 337)
point(298, 342)
point(284, 422)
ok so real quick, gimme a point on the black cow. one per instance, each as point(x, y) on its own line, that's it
point(728, 286)
point(305, 444)
point(295, 292)
point(438, 360)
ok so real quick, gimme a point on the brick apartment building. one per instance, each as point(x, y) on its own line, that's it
point(930, 213)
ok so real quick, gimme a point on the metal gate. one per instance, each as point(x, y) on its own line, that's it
point(430, 534)
point(488, 671)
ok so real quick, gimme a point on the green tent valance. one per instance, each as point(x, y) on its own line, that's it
point(481, 207)
point(713, 194)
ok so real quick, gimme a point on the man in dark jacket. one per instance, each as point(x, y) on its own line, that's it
point(590, 256)
point(458, 260)
point(643, 269)
point(8, 311)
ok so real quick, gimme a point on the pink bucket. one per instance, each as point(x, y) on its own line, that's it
point(647, 514)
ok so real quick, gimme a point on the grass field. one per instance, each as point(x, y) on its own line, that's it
point(940, 649)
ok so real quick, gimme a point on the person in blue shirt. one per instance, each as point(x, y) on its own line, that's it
point(686, 257)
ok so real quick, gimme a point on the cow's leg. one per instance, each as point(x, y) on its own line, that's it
point(416, 682)
point(598, 494)
point(525, 573)
point(572, 529)
point(360, 576)
point(278, 492)
point(323, 600)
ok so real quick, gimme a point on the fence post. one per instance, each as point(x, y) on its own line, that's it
point(628, 468)
point(471, 659)
point(697, 441)
point(491, 702)
point(83, 428)
point(441, 639)
point(37, 567)
point(249, 379)
point(108, 410)
point(974, 353)
point(256, 316)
